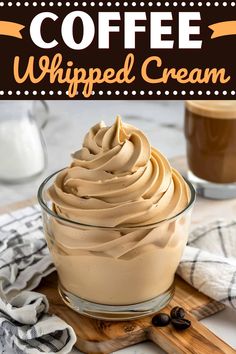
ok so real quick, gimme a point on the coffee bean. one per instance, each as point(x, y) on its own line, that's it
point(180, 323)
point(161, 320)
point(177, 312)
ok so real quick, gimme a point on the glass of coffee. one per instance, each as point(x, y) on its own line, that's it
point(210, 131)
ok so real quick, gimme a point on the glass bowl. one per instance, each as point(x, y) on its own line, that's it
point(115, 273)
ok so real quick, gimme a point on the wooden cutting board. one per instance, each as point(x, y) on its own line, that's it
point(96, 336)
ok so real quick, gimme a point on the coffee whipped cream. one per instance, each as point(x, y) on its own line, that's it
point(118, 179)
point(116, 185)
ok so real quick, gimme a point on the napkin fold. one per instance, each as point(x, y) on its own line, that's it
point(209, 261)
point(208, 264)
point(25, 325)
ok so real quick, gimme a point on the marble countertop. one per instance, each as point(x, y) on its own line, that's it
point(68, 123)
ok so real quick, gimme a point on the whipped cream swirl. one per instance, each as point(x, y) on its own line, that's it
point(118, 179)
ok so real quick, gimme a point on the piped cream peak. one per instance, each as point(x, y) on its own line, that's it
point(120, 134)
point(117, 178)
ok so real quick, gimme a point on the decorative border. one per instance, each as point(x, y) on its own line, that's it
point(118, 3)
point(124, 93)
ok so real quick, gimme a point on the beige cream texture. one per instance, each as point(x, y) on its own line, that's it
point(118, 184)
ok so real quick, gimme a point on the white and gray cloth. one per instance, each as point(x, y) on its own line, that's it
point(208, 263)
point(25, 325)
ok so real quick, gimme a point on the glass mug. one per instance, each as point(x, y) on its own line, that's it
point(115, 273)
point(22, 148)
point(210, 131)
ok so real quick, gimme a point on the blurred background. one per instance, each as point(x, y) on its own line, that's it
point(63, 125)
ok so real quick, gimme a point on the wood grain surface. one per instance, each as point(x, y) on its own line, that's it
point(97, 336)
point(18, 205)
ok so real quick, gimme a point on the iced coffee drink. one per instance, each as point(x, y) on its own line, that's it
point(210, 130)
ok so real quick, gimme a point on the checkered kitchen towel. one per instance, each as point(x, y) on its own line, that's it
point(209, 261)
point(25, 325)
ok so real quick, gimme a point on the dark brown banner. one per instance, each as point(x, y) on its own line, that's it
point(117, 50)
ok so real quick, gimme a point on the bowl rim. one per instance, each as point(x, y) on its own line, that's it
point(49, 211)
